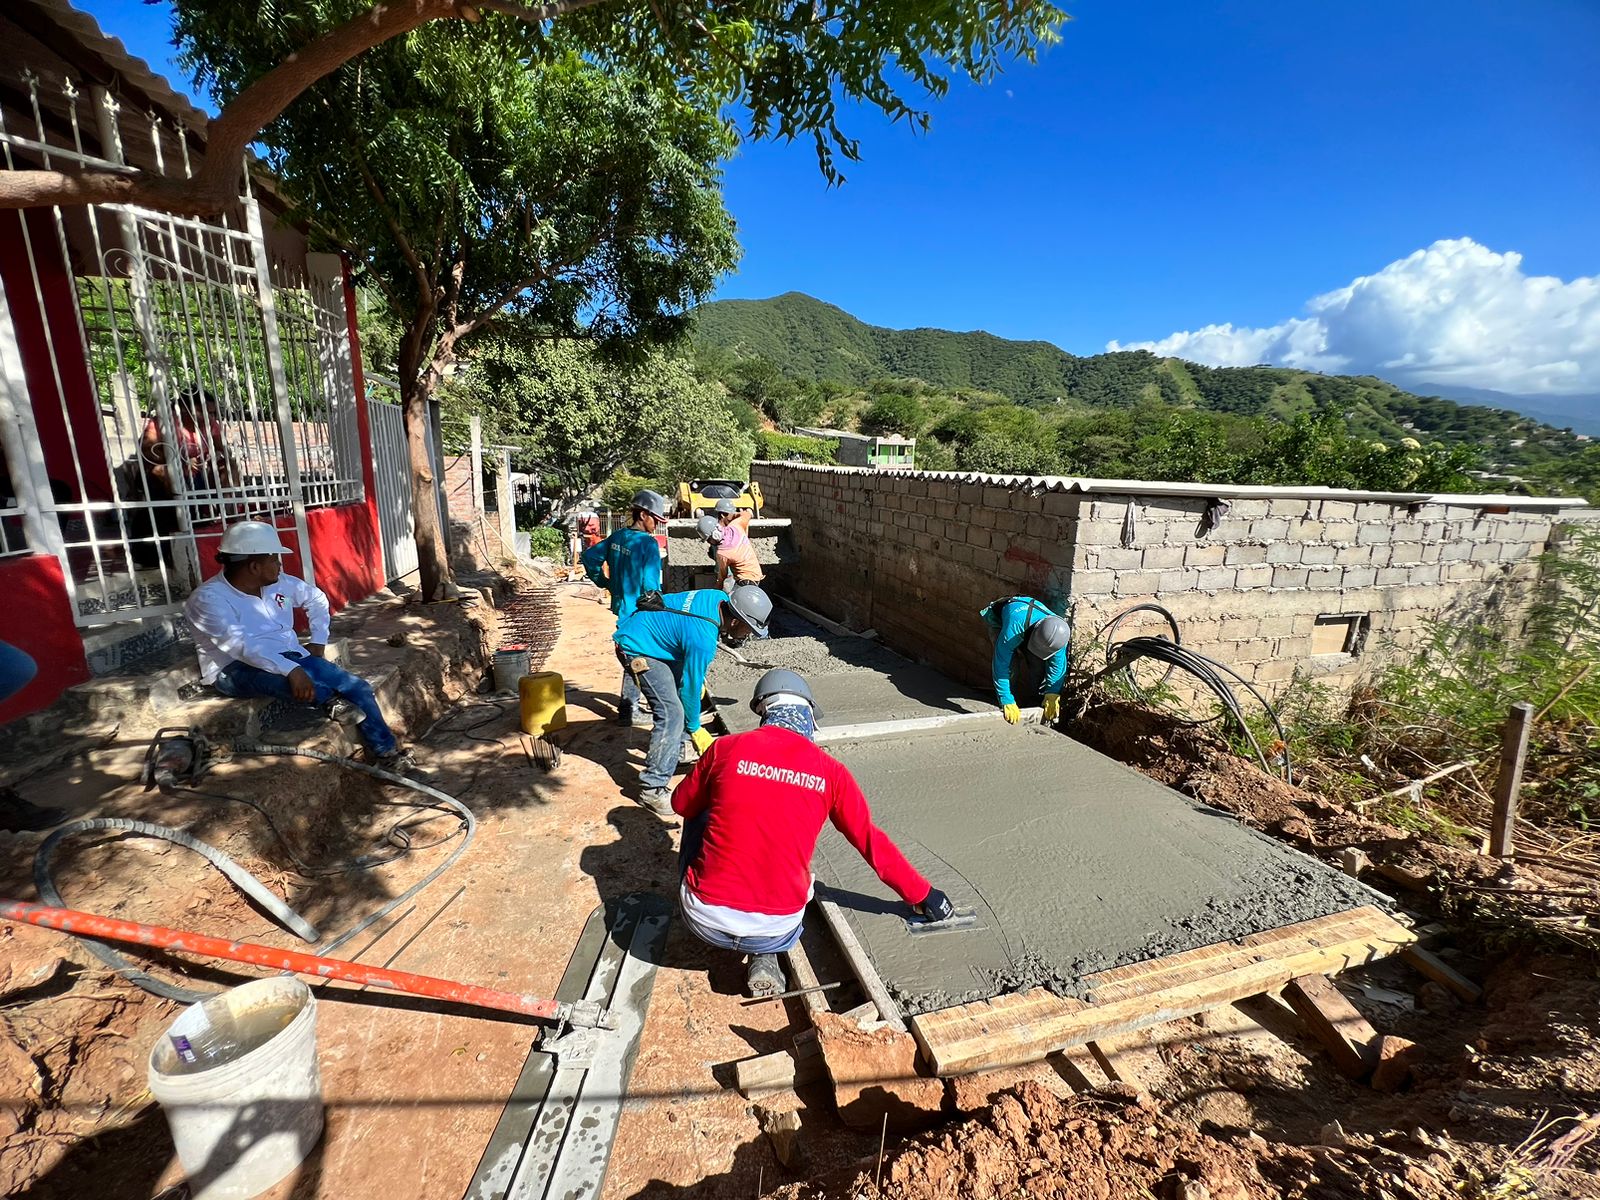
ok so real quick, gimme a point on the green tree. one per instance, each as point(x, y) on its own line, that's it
point(474, 189)
point(893, 414)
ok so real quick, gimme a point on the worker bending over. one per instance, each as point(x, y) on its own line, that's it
point(733, 552)
point(243, 622)
point(668, 651)
point(752, 809)
point(1028, 639)
point(626, 564)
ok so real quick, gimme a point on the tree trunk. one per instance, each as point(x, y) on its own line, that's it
point(416, 389)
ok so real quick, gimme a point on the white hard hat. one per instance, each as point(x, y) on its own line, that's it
point(252, 537)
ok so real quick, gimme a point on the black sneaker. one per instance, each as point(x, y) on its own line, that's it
point(20, 816)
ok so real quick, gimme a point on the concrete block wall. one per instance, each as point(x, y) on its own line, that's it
point(915, 556)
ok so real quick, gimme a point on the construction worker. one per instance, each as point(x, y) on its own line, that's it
point(1028, 638)
point(734, 553)
point(752, 809)
point(626, 564)
point(668, 650)
point(243, 623)
point(731, 516)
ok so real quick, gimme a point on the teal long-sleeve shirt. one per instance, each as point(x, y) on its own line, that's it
point(632, 559)
point(684, 636)
point(1010, 621)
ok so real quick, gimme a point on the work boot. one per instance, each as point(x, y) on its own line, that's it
point(342, 712)
point(397, 762)
point(765, 976)
point(19, 816)
point(658, 801)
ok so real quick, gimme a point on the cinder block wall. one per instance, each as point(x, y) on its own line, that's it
point(1267, 590)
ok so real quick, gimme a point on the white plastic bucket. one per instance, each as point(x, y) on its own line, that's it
point(248, 1117)
point(511, 663)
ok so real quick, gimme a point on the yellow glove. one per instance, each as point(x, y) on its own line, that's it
point(1012, 713)
point(701, 738)
point(1052, 708)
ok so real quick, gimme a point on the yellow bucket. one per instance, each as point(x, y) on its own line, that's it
point(544, 702)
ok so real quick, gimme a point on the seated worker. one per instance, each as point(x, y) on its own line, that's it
point(752, 809)
point(668, 651)
point(1028, 639)
point(625, 564)
point(243, 622)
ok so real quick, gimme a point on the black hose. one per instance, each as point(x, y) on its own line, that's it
point(242, 879)
point(1120, 656)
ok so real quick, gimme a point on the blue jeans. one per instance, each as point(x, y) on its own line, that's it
point(694, 833)
point(242, 681)
point(17, 670)
point(660, 689)
point(630, 695)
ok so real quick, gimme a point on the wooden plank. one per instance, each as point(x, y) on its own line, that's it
point(848, 733)
point(860, 965)
point(1129, 1058)
point(780, 1070)
point(1507, 785)
point(803, 975)
point(1436, 969)
point(1349, 1040)
point(1026, 1026)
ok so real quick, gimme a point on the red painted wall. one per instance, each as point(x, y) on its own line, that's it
point(33, 587)
point(344, 551)
point(36, 332)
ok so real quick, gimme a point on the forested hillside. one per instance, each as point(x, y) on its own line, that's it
point(800, 360)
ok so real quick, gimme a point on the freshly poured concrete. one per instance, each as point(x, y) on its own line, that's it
point(1074, 862)
point(855, 680)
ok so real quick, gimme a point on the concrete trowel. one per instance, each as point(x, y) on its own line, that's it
point(960, 920)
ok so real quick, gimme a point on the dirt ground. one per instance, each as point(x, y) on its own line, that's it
point(1238, 1103)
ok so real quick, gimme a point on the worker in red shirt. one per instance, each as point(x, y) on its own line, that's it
point(752, 808)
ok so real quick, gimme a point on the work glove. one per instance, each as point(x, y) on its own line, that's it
point(701, 738)
point(1012, 713)
point(936, 906)
point(1052, 708)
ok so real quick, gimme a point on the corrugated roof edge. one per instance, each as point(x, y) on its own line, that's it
point(1145, 487)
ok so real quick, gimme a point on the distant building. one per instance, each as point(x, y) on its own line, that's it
point(861, 450)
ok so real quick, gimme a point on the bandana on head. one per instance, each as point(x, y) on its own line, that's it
point(795, 717)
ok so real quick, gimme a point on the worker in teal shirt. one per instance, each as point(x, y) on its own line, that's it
point(626, 564)
point(668, 651)
point(1024, 626)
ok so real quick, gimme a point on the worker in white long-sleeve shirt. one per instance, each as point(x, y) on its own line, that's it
point(243, 622)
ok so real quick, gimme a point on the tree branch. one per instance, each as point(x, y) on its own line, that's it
point(492, 309)
point(240, 123)
point(407, 252)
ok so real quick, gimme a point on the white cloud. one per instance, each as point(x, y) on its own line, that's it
point(1455, 313)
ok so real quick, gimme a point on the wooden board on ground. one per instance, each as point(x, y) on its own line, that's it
point(1350, 1041)
point(1027, 1026)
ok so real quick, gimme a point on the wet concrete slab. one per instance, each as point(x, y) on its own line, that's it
point(1074, 862)
point(855, 680)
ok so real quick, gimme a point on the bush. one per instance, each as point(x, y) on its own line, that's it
point(792, 447)
point(618, 493)
point(548, 542)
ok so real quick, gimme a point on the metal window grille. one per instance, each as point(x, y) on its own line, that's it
point(190, 382)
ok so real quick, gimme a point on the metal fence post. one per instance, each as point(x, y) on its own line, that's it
point(280, 384)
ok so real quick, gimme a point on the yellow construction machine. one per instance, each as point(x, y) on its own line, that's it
point(701, 495)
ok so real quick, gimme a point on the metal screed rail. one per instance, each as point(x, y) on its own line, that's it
point(67, 920)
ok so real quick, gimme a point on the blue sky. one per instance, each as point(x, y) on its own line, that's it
point(1192, 175)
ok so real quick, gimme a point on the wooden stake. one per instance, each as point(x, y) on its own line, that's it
point(1513, 753)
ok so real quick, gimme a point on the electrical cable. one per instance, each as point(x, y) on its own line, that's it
point(1120, 656)
point(242, 879)
point(469, 824)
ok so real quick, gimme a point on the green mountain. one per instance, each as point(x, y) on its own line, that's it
point(818, 343)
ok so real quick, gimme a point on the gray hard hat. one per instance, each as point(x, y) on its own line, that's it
point(1048, 635)
point(726, 508)
point(653, 503)
point(710, 530)
point(780, 681)
point(752, 606)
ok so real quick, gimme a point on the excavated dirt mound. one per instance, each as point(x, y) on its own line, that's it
point(1114, 1145)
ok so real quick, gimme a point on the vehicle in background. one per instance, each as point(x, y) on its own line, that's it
point(701, 495)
